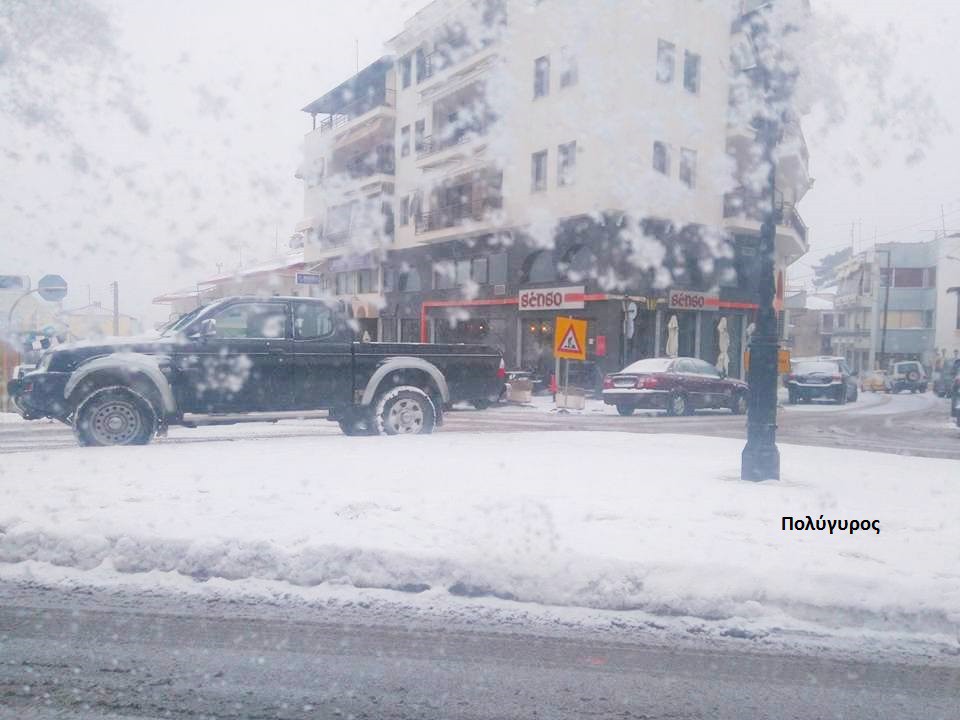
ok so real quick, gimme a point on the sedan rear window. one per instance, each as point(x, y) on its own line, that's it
point(815, 366)
point(649, 365)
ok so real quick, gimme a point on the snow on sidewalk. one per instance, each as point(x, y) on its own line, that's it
point(658, 523)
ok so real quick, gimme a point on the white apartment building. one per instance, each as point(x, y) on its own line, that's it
point(542, 151)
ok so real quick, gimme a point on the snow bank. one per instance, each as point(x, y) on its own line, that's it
point(618, 521)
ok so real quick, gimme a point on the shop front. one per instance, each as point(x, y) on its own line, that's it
point(703, 325)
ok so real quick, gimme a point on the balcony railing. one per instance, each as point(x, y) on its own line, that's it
point(430, 144)
point(741, 203)
point(447, 216)
point(355, 109)
point(365, 167)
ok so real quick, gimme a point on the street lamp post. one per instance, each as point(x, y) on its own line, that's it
point(760, 459)
point(772, 86)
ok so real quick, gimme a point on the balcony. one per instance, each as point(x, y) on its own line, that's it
point(743, 211)
point(431, 146)
point(365, 166)
point(457, 214)
point(357, 109)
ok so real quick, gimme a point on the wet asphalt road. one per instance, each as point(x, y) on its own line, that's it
point(902, 424)
point(110, 656)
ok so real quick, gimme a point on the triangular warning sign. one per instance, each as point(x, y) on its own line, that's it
point(570, 344)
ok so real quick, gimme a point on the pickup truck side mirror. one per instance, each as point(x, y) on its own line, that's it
point(206, 329)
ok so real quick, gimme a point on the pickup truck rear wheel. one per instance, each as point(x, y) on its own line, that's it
point(114, 416)
point(405, 410)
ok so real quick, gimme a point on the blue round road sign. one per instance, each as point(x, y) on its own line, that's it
point(52, 288)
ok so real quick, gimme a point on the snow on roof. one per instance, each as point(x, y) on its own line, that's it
point(816, 302)
point(286, 261)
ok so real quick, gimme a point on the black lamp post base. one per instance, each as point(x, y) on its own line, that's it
point(760, 461)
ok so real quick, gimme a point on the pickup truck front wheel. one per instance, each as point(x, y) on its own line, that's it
point(114, 416)
point(405, 410)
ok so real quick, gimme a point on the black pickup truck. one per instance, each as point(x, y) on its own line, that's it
point(244, 358)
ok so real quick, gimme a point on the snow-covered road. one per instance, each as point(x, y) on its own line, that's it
point(656, 524)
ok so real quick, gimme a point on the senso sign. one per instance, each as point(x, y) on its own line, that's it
point(689, 300)
point(557, 298)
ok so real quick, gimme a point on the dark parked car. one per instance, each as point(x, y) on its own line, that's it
point(678, 385)
point(821, 377)
point(252, 355)
point(955, 400)
point(944, 379)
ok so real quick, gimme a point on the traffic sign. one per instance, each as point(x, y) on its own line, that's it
point(52, 288)
point(570, 339)
point(783, 361)
point(308, 279)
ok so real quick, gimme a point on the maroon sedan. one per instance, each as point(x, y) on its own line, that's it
point(678, 385)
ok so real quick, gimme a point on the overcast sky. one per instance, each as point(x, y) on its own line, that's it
point(199, 167)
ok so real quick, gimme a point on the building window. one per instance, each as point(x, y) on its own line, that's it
point(538, 171)
point(405, 71)
point(405, 210)
point(421, 65)
point(666, 59)
point(420, 134)
point(541, 76)
point(409, 280)
point(443, 276)
point(661, 158)
point(569, 73)
point(497, 268)
point(566, 163)
point(404, 141)
point(931, 280)
point(478, 271)
point(461, 273)
point(688, 167)
point(367, 281)
point(908, 277)
point(691, 71)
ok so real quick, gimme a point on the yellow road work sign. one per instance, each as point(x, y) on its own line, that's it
point(783, 361)
point(570, 339)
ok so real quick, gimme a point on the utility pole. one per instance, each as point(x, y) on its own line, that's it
point(116, 307)
point(886, 305)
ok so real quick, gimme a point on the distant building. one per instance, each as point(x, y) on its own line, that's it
point(809, 323)
point(917, 284)
point(275, 276)
point(95, 321)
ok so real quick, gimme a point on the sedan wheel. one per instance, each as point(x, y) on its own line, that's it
point(624, 409)
point(739, 406)
point(677, 405)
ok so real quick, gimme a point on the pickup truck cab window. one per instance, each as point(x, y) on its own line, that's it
point(251, 321)
point(312, 321)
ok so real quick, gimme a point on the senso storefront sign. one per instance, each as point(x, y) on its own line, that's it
point(689, 300)
point(556, 298)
